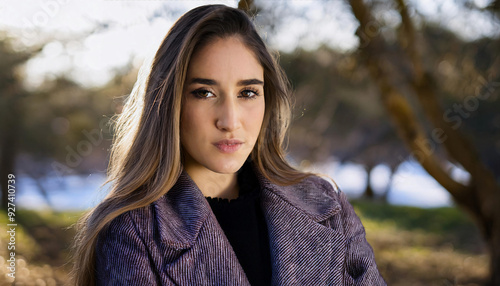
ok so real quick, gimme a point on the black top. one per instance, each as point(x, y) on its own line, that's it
point(245, 227)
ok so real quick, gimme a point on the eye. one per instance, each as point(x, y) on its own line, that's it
point(249, 93)
point(203, 93)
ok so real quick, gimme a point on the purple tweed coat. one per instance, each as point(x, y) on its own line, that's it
point(315, 239)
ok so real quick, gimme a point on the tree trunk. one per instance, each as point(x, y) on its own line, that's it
point(8, 144)
point(389, 184)
point(494, 246)
point(481, 198)
point(368, 190)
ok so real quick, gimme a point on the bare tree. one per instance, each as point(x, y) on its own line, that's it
point(481, 196)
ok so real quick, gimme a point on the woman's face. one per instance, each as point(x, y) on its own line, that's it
point(223, 106)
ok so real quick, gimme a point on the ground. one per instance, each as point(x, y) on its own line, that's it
point(412, 246)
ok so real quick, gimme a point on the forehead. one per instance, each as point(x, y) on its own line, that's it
point(225, 56)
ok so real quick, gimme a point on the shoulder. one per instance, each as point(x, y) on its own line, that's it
point(175, 218)
point(323, 183)
point(314, 196)
point(123, 255)
point(330, 200)
point(130, 224)
point(317, 186)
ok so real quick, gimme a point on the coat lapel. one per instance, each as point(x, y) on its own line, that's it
point(195, 251)
point(301, 240)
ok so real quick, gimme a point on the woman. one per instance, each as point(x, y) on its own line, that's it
point(202, 193)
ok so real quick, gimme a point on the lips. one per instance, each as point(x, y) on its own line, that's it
point(228, 145)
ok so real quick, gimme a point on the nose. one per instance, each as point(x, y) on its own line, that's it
point(228, 118)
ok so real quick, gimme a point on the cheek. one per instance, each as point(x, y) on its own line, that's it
point(254, 118)
point(191, 121)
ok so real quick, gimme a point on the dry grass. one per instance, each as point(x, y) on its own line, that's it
point(418, 254)
point(42, 242)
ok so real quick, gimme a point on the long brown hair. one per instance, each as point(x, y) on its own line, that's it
point(146, 155)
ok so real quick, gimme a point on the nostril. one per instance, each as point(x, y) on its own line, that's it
point(229, 122)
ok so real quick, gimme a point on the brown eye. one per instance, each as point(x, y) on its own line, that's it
point(203, 93)
point(249, 93)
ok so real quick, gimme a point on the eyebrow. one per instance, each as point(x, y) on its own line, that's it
point(214, 82)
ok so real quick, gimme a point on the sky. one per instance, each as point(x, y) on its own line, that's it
point(88, 40)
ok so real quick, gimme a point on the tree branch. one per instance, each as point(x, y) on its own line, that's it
point(411, 45)
point(248, 6)
point(410, 130)
point(457, 146)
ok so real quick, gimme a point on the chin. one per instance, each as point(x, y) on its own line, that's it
point(227, 166)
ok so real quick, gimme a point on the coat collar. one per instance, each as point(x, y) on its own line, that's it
point(312, 196)
point(182, 211)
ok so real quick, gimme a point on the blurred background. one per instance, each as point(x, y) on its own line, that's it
point(396, 100)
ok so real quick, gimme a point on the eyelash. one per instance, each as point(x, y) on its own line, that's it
point(253, 90)
point(197, 93)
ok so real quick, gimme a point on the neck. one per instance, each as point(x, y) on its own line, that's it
point(213, 184)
